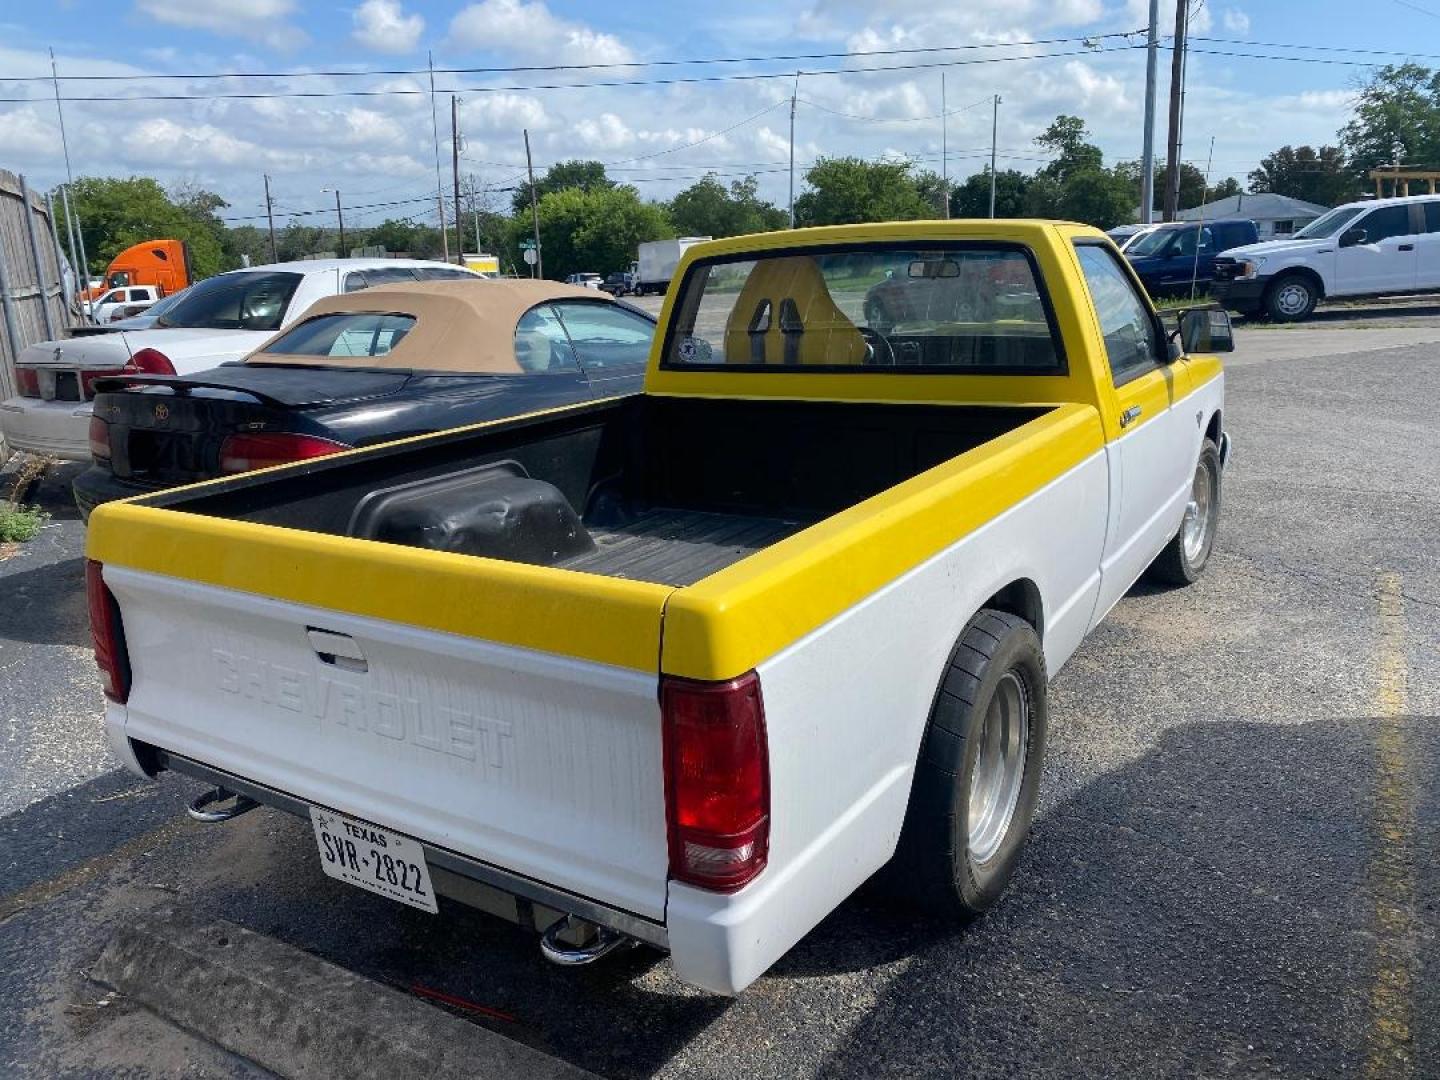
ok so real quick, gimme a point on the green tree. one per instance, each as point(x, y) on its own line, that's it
point(246, 241)
point(297, 241)
point(115, 213)
point(709, 208)
point(1192, 184)
point(972, 198)
point(1100, 197)
point(1225, 189)
point(931, 186)
point(585, 175)
point(1398, 107)
point(1066, 139)
point(596, 230)
point(848, 189)
point(1319, 176)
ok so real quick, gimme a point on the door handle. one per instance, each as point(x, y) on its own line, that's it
point(337, 650)
point(1130, 415)
point(1407, 247)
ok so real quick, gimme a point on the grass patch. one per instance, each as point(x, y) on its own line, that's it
point(19, 523)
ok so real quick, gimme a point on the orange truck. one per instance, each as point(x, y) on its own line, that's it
point(165, 263)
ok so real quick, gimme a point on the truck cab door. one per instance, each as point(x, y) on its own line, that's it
point(1427, 249)
point(1384, 258)
point(1151, 460)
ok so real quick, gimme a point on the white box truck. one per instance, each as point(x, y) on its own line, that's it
point(657, 261)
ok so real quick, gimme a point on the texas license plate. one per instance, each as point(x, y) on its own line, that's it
point(373, 858)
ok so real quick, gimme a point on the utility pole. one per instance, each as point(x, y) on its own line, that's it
point(944, 149)
point(793, 95)
point(1177, 90)
point(439, 186)
point(340, 216)
point(455, 174)
point(270, 215)
point(1147, 156)
point(994, 132)
point(84, 267)
point(539, 270)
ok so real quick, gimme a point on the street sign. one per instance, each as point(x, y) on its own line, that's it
point(527, 245)
point(530, 256)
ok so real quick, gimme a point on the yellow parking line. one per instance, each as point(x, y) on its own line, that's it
point(1391, 1052)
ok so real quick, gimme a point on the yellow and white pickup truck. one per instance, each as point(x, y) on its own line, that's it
point(689, 666)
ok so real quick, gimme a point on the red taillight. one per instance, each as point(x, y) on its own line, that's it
point(27, 382)
point(99, 439)
point(149, 362)
point(88, 379)
point(717, 780)
point(107, 634)
point(241, 453)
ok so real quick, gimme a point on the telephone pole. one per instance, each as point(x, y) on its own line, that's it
point(439, 187)
point(270, 216)
point(1147, 157)
point(1177, 92)
point(455, 174)
point(793, 95)
point(539, 270)
point(944, 149)
point(994, 133)
point(340, 217)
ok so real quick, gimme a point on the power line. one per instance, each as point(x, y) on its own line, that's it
point(514, 69)
point(1417, 7)
point(259, 95)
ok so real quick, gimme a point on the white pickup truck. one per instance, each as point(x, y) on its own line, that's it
point(689, 666)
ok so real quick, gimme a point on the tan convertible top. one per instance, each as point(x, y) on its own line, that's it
point(460, 325)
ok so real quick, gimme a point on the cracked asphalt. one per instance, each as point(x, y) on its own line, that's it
point(1233, 871)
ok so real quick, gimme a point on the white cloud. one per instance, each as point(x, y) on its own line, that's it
point(502, 112)
point(1235, 21)
point(604, 132)
point(903, 102)
point(382, 25)
point(263, 21)
point(531, 30)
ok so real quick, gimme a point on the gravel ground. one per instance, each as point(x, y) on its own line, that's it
point(1235, 869)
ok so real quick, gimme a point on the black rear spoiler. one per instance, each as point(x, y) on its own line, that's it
point(183, 387)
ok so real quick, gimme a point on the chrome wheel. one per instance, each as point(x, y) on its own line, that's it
point(999, 772)
point(1199, 520)
point(1292, 298)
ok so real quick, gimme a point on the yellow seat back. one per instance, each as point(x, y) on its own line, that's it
point(786, 315)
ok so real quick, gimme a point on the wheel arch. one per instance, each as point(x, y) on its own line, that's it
point(1020, 597)
point(1309, 273)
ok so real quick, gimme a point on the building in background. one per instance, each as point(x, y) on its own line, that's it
point(1274, 215)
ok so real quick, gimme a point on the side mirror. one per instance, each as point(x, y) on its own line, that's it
point(1206, 330)
point(1351, 237)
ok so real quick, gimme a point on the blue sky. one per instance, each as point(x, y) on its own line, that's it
point(378, 148)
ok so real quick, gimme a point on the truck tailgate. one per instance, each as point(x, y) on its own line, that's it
point(546, 765)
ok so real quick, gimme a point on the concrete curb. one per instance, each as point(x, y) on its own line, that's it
point(300, 1016)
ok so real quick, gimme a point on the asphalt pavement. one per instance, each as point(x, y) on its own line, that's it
point(1233, 871)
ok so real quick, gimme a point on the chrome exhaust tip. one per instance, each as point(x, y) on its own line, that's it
point(198, 812)
point(573, 941)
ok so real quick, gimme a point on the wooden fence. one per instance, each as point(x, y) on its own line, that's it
point(32, 299)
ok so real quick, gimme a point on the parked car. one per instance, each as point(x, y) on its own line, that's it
point(143, 320)
point(585, 281)
point(620, 283)
point(1172, 257)
point(690, 666)
point(1380, 247)
point(1123, 234)
point(219, 319)
point(362, 368)
point(118, 304)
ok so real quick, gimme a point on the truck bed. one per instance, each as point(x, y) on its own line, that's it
point(645, 488)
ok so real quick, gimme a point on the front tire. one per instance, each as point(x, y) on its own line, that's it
point(1291, 298)
point(1184, 558)
point(978, 774)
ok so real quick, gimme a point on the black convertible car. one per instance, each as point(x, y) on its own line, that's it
point(362, 368)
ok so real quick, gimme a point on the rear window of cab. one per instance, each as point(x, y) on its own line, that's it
point(971, 308)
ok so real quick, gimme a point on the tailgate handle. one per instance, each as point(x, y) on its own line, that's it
point(337, 650)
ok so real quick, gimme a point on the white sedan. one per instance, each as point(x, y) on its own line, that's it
point(219, 319)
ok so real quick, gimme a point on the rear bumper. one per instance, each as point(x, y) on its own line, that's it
point(97, 485)
point(146, 760)
point(57, 428)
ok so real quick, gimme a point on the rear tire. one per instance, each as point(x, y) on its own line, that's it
point(978, 773)
point(1184, 558)
point(1291, 298)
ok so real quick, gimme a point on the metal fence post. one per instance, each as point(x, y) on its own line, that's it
point(40, 283)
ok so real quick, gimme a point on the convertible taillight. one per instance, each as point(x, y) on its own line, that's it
point(99, 439)
point(717, 780)
point(241, 453)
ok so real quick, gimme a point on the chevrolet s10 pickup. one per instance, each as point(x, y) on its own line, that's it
point(689, 666)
